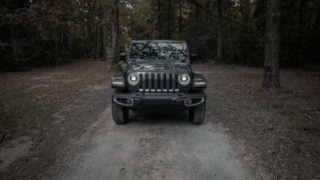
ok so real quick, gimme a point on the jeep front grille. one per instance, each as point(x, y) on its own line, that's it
point(158, 82)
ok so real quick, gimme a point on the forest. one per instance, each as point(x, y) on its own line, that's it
point(254, 85)
point(35, 33)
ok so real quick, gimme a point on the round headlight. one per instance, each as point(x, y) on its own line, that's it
point(133, 79)
point(184, 79)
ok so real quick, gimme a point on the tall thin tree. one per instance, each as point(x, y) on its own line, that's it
point(180, 18)
point(104, 36)
point(219, 34)
point(245, 6)
point(115, 32)
point(170, 19)
point(272, 47)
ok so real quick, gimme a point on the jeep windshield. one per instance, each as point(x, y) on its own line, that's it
point(158, 50)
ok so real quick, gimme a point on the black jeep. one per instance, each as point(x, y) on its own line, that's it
point(158, 77)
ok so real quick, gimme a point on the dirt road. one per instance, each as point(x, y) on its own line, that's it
point(80, 140)
point(155, 147)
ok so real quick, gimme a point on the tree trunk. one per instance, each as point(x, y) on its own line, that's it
point(104, 40)
point(170, 19)
point(98, 44)
point(219, 36)
point(56, 46)
point(272, 45)
point(115, 32)
point(83, 22)
point(180, 18)
point(245, 11)
point(209, 5)
point(159, 25)
point(301, 13)
point(197, 12)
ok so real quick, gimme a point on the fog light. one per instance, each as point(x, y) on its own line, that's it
point(189, 101)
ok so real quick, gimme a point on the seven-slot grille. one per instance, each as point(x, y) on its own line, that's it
point(158, 82)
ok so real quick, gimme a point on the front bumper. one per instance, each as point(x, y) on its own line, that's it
point(138, 100)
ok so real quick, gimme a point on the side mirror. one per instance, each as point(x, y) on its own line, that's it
point(123, 57)
point(194, 57)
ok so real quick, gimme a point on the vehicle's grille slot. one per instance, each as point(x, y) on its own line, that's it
point(147, 82)
point(152, 86)
point(159, 85)
point(141, 82)
point(164, 82)
point(176, 81)
point(158, 82)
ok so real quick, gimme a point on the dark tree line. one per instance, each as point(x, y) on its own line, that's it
point(40, 32)
point(231, 31)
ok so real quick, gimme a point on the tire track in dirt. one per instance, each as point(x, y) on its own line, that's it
point(155, 147)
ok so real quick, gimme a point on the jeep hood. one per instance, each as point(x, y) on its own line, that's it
point(159, 67)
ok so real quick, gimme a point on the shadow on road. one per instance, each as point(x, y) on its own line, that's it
point(178, 118)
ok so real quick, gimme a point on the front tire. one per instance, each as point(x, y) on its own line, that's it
point(197, 113)
point(120, 114)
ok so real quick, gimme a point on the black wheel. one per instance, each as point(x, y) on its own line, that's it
point(196, 114)
point(119, 113)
